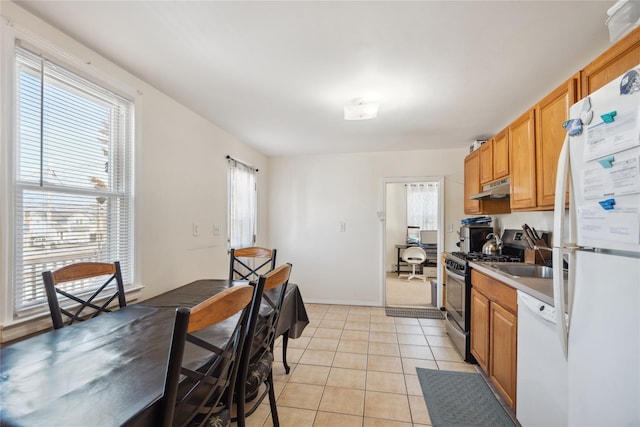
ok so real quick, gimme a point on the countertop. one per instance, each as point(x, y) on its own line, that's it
point(538, 288)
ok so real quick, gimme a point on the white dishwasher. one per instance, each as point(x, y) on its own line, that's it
point(542, 390)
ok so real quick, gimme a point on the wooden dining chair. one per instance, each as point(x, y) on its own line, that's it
point(257, 356)
point(111, 289)
point(204, 395)
point(249, 263)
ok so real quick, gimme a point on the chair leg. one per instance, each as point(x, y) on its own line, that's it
point(285, 342)
point(413, 273)
point(272, 401)
point(240, 405)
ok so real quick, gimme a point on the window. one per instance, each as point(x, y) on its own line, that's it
point(422, 205)
point(72, 176)
point(242, 204)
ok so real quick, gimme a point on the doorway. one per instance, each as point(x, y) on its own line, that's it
point(400, 213)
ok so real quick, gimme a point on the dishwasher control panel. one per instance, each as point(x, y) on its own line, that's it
point(546, 311)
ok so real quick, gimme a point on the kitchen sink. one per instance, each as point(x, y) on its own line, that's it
point(525, 270)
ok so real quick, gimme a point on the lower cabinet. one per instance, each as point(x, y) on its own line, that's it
point(494, 332)
point(502, 353)
point(480, 319)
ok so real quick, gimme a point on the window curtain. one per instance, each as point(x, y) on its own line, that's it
point(242, 205)
point(422, 205)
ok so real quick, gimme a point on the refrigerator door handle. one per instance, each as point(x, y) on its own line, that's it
point(558, 246)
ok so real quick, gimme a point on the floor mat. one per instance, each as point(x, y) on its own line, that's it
point(460, 399)
point(417, 312)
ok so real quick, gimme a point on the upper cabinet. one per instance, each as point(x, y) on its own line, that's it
point(528, 150)
point(486, 162)
point(500, 155)
point(522, 149)
point(536, 139)
point(551, 112)
point(622, 56)
point(472, 185)
point(494, 158)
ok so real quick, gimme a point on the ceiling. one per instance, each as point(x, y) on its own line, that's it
point(277, 74)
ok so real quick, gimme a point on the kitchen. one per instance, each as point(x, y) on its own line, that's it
point(306, 176)
point(531, 326)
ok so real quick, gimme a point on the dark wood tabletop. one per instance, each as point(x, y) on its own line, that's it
point(109, 371)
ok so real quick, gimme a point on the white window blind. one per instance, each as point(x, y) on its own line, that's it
point(73, 183)
point(242, 204)
point(422, 205)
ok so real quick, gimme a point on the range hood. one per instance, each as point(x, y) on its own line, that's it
point(494, 190)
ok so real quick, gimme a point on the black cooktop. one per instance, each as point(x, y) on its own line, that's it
point(479, 256)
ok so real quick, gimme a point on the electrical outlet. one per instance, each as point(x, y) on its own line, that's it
point(194, 229)
point(216, 230)
point(343, 226)
point(449, 228)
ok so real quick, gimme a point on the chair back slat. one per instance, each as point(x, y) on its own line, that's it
point(236, 298)
point(84, 299)
point(254, 252)
point(82, 270)
point(277, 277)
point(251, 262)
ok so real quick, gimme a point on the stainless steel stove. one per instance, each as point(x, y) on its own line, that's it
point(458, 286)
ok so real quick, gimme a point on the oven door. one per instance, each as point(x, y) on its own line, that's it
point(456, 298)
point(458, 323)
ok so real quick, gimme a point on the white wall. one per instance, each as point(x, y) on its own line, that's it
point(181, 179)
point(311, 195)
point(541, 221)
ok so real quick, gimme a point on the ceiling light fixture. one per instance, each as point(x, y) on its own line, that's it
point(359, 109)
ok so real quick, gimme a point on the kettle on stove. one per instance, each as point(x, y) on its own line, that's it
point(493, 245)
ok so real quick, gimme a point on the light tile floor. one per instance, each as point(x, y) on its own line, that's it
point(354, 366)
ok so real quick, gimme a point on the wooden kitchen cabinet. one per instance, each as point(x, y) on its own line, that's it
point(522, 152)
point(480, 329)
point(472, 186)
point(551, 112)
point(486, 162)
point(503, 351)
point(494, 332)
point(619, 58)
point(528, 150)
point(494, 158)
point(471, 183)
point(500, 155)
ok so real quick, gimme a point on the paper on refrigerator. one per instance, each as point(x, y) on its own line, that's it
point(603, 139)
point(620, 179)
point(621, 224)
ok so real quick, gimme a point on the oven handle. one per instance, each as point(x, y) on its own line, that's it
point(455, 275)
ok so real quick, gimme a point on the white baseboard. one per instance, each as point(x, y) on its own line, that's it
point(342, 302)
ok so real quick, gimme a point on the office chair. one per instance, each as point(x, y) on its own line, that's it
point(414, 256)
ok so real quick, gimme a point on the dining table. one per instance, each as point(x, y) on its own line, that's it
point(109, 370)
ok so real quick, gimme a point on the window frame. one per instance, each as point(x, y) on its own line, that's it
point(12, 34)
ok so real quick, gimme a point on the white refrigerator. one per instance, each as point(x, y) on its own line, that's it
point(599, 239)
